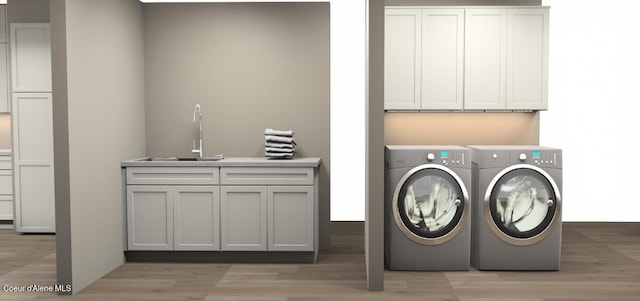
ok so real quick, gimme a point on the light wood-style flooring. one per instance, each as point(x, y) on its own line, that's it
point(600, 261)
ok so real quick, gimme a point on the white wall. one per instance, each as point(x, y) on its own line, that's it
point(593, 102)
point(347, 110)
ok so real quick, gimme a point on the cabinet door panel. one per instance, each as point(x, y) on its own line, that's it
point(196, 218)
point(36, 207)
point(402, 59)
point(4, 78)
point(291, 218)
point(150, 218)
point(442, 59)
point(527, 59)
point(33, 162)
point(243, 218)
point(6, 207)
point(31, 57)
point(485, 59)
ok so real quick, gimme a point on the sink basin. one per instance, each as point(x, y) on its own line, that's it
point(214, 158)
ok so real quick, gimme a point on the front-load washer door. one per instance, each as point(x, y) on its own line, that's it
point(522, 204)
point(430, 204)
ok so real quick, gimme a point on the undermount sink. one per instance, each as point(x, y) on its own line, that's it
point(214, 158)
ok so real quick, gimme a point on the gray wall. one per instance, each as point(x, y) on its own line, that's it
point(251, 66)
point(374, 166)
point(99, 121)
point(28, 11)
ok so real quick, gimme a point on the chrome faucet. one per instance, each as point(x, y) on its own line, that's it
point(197, 116)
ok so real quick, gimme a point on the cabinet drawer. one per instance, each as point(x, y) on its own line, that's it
point(6, 182)
point(173, 175)
point(5, 162)
point(6, 208)
point(266, 176)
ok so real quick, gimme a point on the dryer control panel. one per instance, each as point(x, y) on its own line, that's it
point(542, 158)
point(454, 158)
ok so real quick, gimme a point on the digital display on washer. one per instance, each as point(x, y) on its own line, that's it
point(444, 154)
point(536, 154)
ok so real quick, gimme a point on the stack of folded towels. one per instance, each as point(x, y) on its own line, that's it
point(279, 144)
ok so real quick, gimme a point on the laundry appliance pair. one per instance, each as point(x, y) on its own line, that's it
point(497, 207)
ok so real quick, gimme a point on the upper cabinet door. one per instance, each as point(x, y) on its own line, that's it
point(442, 59)
point(485, 59)
point(402, 59)
point(527, 58)
point(31, 57)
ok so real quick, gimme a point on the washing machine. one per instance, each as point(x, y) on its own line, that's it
point(517, 206)
point(427, 208)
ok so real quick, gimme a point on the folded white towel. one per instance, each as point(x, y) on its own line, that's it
point(279, 145)
point(279, 150)
point(278, 155)
point(287, 133)
point(279, 139)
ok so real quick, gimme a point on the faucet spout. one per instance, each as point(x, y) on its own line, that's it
point(197, 117)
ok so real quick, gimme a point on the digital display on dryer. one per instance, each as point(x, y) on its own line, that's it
point(444, 154)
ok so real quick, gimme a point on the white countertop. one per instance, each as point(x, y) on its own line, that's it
point(228, 162)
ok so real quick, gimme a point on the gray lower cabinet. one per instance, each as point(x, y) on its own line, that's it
point(163, 218)
point(267, 218)
point(268, 208)
point(248, 208)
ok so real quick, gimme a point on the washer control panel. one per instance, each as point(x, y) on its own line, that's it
point(447, 157)
point(539, 158)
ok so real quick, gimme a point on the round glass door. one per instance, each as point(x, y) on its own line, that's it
point(523, 203)
point(429, 204)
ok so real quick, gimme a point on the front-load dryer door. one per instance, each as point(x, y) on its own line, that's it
point(430, 204)
point(522, 204)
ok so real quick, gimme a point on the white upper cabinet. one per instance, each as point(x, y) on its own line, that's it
point(31, 66)
point(466, 58)
point(527, 58)
point(402, 62)
point(485, 59)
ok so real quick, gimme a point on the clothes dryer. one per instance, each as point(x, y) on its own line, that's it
point(516, 219)
point(427, 208)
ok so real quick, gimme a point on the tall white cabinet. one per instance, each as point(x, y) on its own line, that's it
point(32, 126)
point(466, 58)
